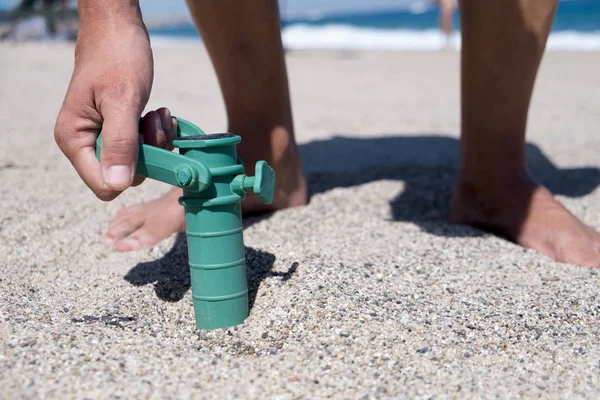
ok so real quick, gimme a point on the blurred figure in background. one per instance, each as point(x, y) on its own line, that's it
point(47, 5)
point(447, 9)
point(30, 4)
point(32, 22)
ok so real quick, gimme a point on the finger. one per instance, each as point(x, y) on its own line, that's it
point(137, 180)
point(76, 137)
point(174, 130)
point(169, 125)
point(152, 130)
point(88, 167)
point(119, 146)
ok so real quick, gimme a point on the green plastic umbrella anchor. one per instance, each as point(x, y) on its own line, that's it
point(214, 184)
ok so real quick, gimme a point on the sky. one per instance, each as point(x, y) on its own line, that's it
point(177, 8)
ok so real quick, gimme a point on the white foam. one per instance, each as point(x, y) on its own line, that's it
point(174, 41)
point(572, 40)
point(349, 37)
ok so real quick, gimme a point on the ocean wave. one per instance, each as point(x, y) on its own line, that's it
point(159, 40)
point(338, 36)
point(573, 40)
point(349, 37)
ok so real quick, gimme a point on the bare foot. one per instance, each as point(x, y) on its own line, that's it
point(142, 226)
point(529, 215)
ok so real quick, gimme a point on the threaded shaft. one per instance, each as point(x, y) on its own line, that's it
point(248, 183)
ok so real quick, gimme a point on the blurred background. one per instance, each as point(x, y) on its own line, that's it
point(307, 24)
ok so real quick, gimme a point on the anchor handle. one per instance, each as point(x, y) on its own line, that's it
point(262, 183)
point(169, 167)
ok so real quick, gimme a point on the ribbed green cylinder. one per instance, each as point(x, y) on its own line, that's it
point(214, 233)
point(217, 265)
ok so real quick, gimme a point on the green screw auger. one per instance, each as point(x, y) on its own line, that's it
point(214, 184)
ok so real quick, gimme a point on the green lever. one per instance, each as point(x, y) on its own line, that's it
point(214, 184)
point(168, 167)
point(186, 128)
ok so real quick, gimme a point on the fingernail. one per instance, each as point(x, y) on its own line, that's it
point(118, 176)
point(108, 241)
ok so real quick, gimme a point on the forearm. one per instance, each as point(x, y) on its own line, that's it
point(100, 11)
point(106, 20)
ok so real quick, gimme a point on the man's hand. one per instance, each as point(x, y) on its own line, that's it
point(109, 89)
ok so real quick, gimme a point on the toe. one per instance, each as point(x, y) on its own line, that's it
point(127, 244)
point(122, 225)
point(143, 225)
point(597, 247)
point(580, 250)
point(138, 240)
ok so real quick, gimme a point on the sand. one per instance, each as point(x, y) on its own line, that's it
point(365, 293)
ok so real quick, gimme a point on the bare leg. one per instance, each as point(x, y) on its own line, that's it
point(447, 8)
point(244, 43)
point(503, 43)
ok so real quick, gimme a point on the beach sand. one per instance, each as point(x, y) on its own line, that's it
point(365, 293)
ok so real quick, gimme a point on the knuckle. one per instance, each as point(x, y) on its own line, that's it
point(164, 112)
point(58, 138)
point(65, 132)
point(123, 89)
point(119, 146)
point(74, 126)
point(59, 131)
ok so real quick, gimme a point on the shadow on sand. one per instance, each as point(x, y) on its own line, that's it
point(171, 275)
point(425, 163)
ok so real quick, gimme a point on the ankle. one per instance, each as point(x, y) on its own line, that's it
point(274, 145)
point(499, 181)
point(282, 145)
point(477, 200)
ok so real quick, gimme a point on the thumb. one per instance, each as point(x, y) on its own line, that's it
point(120, 140)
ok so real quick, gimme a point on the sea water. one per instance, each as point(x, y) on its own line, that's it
point(415, 27)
